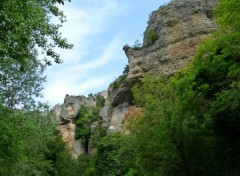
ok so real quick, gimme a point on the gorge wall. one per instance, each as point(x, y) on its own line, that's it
point(170, 40)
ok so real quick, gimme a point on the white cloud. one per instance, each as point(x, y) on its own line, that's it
point(108, 54)
point(84, 25)
point(76, 79)
point(57, 90)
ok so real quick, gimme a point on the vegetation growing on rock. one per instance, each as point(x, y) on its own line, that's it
point(116, 83)
point(191, 123)
point(189, 126)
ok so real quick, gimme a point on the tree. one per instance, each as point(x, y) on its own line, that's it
point(100, 101)
point(19, 88)
point(163, 128)
point(228, 17)
point(115, 155)
point(25, 25)
point(25, 28)
point(86, 117)
point(191, 121)
point(30, 146)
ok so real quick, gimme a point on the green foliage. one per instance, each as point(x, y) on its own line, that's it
point(191, 120)
point(100, 101)
point(228, 16)
point(28, 141)
point(190, 125)
point(98, 133)
point(26, 25)
point(29, 146)
point(152, 37)
point(86, 117)
point(60, 158)
point(161, 9)
point(86, 165)
point(18, 88)
point(25, 28)
point(162, 128)
point(115, 155)
point(115, 84)
point(137, 45)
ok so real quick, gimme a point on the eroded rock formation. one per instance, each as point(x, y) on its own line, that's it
point(170, 40)
point(66, 114)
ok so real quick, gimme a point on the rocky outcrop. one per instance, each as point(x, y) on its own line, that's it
point(66, 115)
point(71, 107)
point(104, 115)
point(117, 117)
point(170, 40)
point(67, 133)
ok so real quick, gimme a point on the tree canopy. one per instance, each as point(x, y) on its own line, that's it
point(25, 25)
point(28, 141)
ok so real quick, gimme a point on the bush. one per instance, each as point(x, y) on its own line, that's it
point(115, 84)
point(86, 165)
point(115, 155)
point(137, 45)
point(152, 37)
point(100, 101)
point(29, 146)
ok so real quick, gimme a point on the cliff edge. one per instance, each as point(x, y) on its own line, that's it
point(170, 40)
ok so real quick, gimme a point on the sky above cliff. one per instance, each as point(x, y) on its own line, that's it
point(98, 29)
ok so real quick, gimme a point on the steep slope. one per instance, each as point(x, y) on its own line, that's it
point(170, 40)
point(68, 113)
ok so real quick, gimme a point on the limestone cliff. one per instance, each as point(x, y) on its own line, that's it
point(170, 40)
point(66, 115)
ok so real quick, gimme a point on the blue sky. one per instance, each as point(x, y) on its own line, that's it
point(98, 29)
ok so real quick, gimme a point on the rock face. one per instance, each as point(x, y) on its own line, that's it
point(117, 117)
point(71, 107)
point(66, 114)
point(67, 132)
point(170, 40)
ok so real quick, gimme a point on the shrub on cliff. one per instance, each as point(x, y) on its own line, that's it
point(152, 37)
point(115, 84)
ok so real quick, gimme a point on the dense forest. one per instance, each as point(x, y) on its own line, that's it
point(191, 120)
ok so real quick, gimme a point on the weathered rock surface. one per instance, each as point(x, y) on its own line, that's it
point(66, 114)
point(71, 107)
point(180, 27)
point(117, 117)
point(57, 111)
point(67, 132)
point(104, 116)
